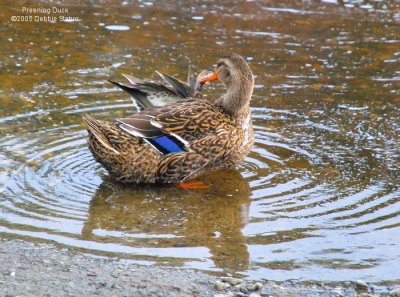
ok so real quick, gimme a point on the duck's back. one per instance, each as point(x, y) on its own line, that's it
point(209, 140)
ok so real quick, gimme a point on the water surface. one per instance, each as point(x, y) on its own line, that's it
point(317, 198)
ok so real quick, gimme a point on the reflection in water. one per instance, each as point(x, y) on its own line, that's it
point(318, 197)
point(169, 216)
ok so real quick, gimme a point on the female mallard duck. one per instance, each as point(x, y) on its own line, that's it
point(176, 142)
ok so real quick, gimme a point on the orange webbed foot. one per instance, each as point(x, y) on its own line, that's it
point(193, 185)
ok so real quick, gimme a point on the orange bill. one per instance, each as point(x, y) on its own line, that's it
point(211, 77)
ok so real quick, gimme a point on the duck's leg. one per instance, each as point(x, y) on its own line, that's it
point(193, 185)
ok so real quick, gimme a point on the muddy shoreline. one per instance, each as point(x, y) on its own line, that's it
point(42, 269)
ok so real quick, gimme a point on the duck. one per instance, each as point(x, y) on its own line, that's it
point(148, 93)
point(175, 143)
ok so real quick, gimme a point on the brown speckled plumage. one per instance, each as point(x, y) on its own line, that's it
point(215, 135)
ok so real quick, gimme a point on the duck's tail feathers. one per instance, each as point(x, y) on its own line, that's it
point(94, 127)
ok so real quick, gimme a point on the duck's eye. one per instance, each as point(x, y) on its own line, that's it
point(220, 64)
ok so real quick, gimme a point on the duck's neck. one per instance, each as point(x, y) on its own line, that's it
point(236, 100)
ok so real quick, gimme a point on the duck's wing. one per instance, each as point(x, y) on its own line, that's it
point(180, 87)
point(190, 89)
point(170, 129)
point(191, 77)
point(147, 94)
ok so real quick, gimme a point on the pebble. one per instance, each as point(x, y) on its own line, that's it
point(220, 286)
point(254, 295)
point(115, 275)
point(233, 281)
point(243, 289)
point(395, 293)
point(12, 273)
point(360, 284)
point(254, 287)
point(91, 273)
point(240, 294)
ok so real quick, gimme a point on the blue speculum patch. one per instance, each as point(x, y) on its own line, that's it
point(167, 144)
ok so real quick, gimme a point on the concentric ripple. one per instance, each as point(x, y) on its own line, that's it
point(284, 213)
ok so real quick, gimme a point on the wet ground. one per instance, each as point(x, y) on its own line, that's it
point(46, 270)
point(318, 197)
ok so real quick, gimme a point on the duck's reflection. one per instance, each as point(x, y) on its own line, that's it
point(174, 217)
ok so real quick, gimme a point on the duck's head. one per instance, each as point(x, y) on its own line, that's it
point(234, 72)
point(231, 69)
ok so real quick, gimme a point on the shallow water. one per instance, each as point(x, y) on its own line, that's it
point(317, 198)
